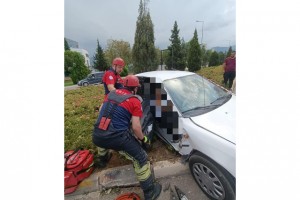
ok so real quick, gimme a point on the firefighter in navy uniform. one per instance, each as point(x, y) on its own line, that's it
point(112, 131)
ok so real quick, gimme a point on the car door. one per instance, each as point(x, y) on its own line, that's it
point(91, 79)
point(99, 77)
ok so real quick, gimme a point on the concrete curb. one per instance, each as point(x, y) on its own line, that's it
point(124, 176)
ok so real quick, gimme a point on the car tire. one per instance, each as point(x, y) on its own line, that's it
point(213, 180)
point(85, 84)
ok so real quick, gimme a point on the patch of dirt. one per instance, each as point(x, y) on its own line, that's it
point(159, 152)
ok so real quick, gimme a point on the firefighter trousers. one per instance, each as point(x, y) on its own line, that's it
point(126, 144)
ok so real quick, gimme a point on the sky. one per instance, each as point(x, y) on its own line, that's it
point(87, 21)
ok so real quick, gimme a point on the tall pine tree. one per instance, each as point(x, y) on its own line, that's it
point(99, 62)
point(175, 58)
point(229, 52)
point(214, 59)
point(194, 60)
point(144, 55)
point(67, 48)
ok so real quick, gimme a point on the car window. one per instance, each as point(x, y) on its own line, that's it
point(193, 93)
point(99, 74)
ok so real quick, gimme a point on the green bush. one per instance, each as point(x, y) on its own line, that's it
point(74, 64)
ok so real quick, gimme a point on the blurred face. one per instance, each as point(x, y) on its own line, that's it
point(118, 69)
point(135, 90)
point(232, 54)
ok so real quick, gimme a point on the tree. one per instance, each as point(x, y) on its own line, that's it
point(221, 57)
point(194, 60)
point(125, 71)
point(99, 62)
point(229, 52)
point(184, 48)
point(206, 57)
point(144, 56)
point(203, 57)
point(118, 48)
point(74, 62)
point(67, 48)
point(214, 59)
point(175, 57)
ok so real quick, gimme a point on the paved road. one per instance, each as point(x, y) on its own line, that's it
point(184, 182)
point(72, 87)
point(109, 183)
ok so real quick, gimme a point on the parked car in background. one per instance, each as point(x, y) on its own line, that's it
point(93, 78)
point(197, 118)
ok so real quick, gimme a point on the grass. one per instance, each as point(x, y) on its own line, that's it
point(213, 73)
point(80, 115)
point(68, 81)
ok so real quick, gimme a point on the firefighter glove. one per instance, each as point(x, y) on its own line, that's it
point(146, 143)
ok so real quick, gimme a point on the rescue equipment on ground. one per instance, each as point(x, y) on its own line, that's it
point(180, 194)
point(79, 164)
point(128, 196)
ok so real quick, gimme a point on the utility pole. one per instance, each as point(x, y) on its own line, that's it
point(201, 42)
point(201, 30)
point(228, 44)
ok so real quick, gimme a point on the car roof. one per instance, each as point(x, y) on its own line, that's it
point(165, 75)
point(98, 72)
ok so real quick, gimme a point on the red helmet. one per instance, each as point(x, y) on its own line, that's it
point(119, 61)
point(131, 81)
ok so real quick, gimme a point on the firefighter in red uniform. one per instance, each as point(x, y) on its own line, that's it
point(112, 79)
point(112, 131)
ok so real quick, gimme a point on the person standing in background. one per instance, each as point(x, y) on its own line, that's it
point(229, 66)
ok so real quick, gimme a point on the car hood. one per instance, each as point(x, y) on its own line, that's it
point(220, 121)
point(82, 80)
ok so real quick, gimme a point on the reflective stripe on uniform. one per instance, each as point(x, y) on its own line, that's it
point(142, 173)
point(102, 151)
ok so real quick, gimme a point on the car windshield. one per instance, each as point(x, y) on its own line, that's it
point(194, 95)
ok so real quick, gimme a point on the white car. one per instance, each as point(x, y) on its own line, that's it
point(196, 117)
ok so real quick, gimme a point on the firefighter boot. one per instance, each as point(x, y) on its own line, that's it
point(154, 192)
point(101, 161)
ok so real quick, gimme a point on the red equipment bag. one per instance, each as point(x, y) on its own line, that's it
point(79, 165)
point(128, 196)
point(71, 182)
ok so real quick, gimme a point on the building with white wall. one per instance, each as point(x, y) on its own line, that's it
point(85, 54)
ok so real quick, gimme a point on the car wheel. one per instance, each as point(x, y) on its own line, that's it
point(85, 84)
point(215, 182)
